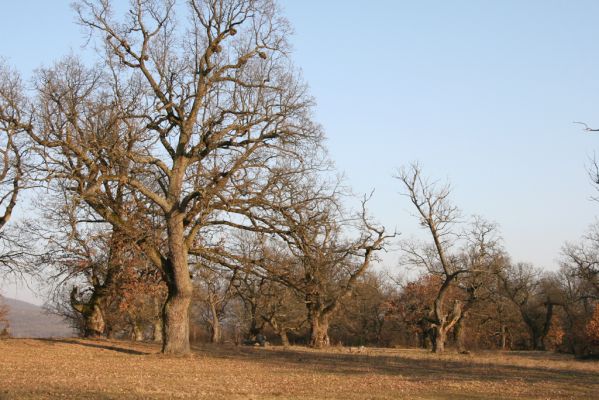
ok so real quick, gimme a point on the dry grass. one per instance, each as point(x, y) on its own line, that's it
point(72, 368)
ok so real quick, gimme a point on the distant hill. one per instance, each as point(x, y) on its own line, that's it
point(28, 320)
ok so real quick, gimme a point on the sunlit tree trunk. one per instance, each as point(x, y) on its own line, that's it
point(176, 307)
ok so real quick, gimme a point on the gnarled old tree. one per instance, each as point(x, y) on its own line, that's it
point(98, 261)
point(264, 300)
point(484, 258)
point(321, 255)
point(441, 258)
point(188, 114)
point(582, 260)
point(307, 243)
point(535, 296)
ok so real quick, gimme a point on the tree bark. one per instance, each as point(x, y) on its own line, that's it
point(537, 342)
point(503, 334)
point(176, 308)
point(157, 334)
point(459, 335)
point(439, 335)
point(284, 337)
point(93, 317)
point(109, 332)
point(138, 333)
point(444, 325)
point(94, 323)
point(216, 335)
point(319, 330)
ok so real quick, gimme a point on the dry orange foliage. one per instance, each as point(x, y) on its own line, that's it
point(592, 327)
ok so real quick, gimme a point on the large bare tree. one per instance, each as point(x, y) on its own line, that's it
point(458, 263)
point(308, 243)
point(321, 254)
point(189, 113)
point(535, 296)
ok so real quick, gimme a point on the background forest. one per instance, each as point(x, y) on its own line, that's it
point(183, 192)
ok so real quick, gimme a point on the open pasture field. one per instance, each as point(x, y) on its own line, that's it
point(101, 369)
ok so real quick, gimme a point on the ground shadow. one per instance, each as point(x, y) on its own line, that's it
point(111, 346)
point(416, 369)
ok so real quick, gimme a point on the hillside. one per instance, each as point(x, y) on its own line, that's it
point(28, 320)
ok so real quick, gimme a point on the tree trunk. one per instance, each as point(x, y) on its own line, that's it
point(176, 308)
point(138, 333)
point(216, 335)
point(538, 341)
point(215, 324)
point(439, 334)
point(458, 333)
point(109, 332)
point(319, 331)
point(91, 312)
point(284, 337)
point(157, 334)
point(94, 322)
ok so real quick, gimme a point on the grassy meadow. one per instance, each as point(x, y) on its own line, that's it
point(102, 369)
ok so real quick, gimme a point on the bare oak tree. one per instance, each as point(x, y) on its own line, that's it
point(439, 217)
point(462, 268)
point(324, 256)
point(188, 114)
point(525, 286)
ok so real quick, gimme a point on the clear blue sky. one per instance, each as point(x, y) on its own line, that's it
point(482, 93)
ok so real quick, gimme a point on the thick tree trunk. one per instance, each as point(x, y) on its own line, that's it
point(92, 311)
point(279, 330)
point(94, 322)
point(439, 335)
point(319, 330)
point(319, 315)
point(93, 317)
point(444, 324)
point(176, 308)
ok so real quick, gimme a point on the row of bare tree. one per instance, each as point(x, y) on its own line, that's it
point(188, 131)
point(185, 168)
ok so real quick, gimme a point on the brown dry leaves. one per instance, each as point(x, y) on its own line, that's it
point(46, 369)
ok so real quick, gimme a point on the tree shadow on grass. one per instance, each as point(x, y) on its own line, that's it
point(111, 347)
point(415, 369)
